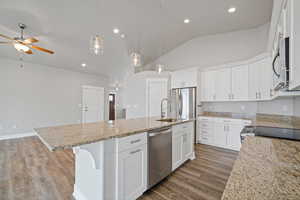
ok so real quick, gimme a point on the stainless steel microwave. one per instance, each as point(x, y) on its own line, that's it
point(281, 64)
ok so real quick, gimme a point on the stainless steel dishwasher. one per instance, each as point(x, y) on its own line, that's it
point(159, 155)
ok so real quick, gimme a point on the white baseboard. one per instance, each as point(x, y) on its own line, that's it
point(77, 194)
point(15, 136)
point(192, 156)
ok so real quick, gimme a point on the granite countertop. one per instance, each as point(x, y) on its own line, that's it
point(265, 169)
point(68, 136)
point(277, 121)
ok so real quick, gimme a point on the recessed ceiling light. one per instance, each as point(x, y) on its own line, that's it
point(116, 31)
point(232, 9)
point(123, 35)
point(186, 21)
point(83, 65)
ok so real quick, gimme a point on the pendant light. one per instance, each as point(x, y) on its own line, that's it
point(136, 59)
point(97, 45)
point(160, 68)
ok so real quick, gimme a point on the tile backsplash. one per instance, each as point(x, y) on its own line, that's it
point(280, 106)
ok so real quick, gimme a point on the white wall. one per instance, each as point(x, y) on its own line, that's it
point(218, 49)
point(134, 92)
point(38, 96)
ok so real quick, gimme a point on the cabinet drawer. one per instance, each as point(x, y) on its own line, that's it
point(129, 142)
point(181, 128)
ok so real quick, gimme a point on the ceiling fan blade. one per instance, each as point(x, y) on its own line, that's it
point(30, 40)
point(5, 42)
point(29, 52)
point(41, 49)
point(6, 37)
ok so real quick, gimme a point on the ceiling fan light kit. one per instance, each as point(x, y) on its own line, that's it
point(24, 45)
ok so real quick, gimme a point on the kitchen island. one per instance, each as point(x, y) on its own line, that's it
point(111, 157)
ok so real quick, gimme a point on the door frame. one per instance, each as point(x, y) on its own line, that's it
point(92, 87)
point(148, 81)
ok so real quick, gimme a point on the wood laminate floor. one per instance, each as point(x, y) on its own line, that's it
point(28, 171)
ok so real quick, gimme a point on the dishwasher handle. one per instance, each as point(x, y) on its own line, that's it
point(159, 133)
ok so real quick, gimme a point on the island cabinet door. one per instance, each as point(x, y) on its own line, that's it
point(177, 151)
point(132, 173)
point(188, 144)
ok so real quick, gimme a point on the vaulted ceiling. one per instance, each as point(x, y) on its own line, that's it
point(152, 27)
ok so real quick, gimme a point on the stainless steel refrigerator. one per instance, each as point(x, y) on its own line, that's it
point(183, 104)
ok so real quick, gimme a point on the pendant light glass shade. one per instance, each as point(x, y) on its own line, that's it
point(160, 68)
point(97, 45)
point(136, 59)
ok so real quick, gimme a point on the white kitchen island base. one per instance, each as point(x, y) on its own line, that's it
point(117, 168)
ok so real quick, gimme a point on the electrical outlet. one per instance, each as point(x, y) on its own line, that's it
point(284, 108)
point(242, 107)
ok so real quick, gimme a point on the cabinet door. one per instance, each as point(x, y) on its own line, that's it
point(220, 134)
point(203, 86)
point(265, 90)
point(254, 81)
point(132, 173)
point(233, 136)
point(223, 84)
point(188, 145)
point(177, 151)
point(239, 83)
point(210, 85)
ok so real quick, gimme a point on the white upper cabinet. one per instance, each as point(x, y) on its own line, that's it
point(260, 80)
point(293, 24)
point(223, 84)
point(266, 79)
point(208, 86)
point(254, 80)
point(239, 83)
point(184, 78)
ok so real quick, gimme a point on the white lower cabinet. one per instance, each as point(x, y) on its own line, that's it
point(220, 135)
point(224, 133)
point(177, 151)
point(182, 143)
point(132, 173)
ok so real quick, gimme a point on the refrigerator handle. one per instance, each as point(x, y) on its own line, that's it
point(181, 104)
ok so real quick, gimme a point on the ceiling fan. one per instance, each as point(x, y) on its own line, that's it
point(24, 44)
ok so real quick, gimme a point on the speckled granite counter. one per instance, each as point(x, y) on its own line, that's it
point(68, 136)
point(266, 169)
point(278, 121)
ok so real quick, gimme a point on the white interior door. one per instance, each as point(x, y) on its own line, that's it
point(157, 90)
point(92, 104)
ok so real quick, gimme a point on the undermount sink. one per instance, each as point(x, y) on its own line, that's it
point(167, 120)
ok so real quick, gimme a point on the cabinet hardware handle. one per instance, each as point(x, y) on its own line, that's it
point(259, 95)
point(135, 141)
point(271, 93)
point(136, 151)
point(232, 96)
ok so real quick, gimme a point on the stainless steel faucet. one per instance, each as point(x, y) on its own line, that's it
point(162, 113)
